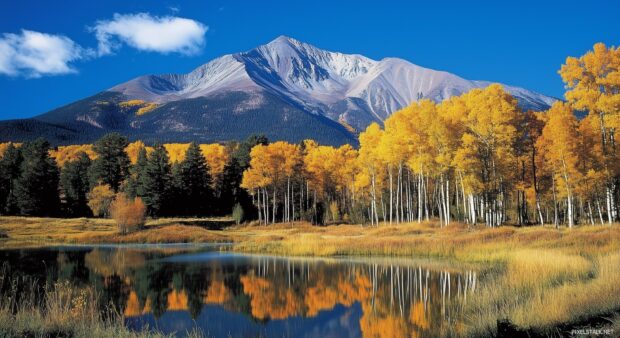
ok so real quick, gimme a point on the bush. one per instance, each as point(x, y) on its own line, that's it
point(238, 214)
point(334, 211)
point(99, 200)
point(129, 214)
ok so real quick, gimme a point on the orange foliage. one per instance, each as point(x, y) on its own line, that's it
point(128, 214)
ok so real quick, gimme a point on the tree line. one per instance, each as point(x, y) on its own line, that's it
point(474, 158)
point(85, 180)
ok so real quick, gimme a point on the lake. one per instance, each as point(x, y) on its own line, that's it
point(177, 288)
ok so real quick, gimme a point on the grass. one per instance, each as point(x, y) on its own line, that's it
point(540, 278)
point(59, 310)
point(22, 232)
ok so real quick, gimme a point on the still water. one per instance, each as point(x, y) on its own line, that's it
point(176, 288)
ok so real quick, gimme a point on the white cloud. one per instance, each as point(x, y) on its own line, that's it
point(34, 54)
point(142, 31)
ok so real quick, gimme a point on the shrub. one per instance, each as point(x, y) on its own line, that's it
point(99, 200)
point(238, 214)
point(129, 214)
point(334, 211)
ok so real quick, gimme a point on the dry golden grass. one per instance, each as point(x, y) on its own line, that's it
point(456, 241)
point(33, 231)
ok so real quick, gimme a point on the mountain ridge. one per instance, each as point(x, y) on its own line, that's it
point(333, 90)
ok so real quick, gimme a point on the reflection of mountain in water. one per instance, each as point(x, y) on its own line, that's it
point(252, 295)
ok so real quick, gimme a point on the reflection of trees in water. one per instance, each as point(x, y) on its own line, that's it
point(396, 300)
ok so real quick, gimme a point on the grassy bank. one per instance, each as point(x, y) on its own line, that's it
point(59, 310)
point(22, 232)
point(540, 278)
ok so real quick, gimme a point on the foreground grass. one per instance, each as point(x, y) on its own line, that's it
point(59, 310)
point(542, 279)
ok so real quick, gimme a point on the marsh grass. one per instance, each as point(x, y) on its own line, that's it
point(59, 310)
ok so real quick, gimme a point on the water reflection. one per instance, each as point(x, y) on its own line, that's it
point(176, 289)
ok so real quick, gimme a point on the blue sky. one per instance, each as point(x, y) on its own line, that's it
point(84, 47)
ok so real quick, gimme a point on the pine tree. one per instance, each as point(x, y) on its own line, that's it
point(37, 186)
point(112, 163)
point(74, 182)
point(232, 193)
point(9, 173)
point(155, 181)
point(242, 154)
point(195, 183)
point(133, 188)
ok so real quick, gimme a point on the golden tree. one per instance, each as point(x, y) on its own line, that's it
point(486, 156)
point(559, 147)
point(99, 200)
point(371, 166)
point(593, 85)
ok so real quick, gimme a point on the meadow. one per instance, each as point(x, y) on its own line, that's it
point(543, 280)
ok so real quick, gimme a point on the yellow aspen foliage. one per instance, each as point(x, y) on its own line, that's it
point(559, 147)
point(64, 154)
point(217, 156)
point(99, 200)
point(176, 151)
point(143, 106)
point(132, 103)
point(490, 120)
point(147, 108)
point(593, 83)
point(5, 145)
point(133, 149)
point(370, 159)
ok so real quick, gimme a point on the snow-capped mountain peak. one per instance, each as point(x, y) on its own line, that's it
point(344, 87)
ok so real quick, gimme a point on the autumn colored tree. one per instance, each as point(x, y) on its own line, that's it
point(371, 166)
point(99, 200)
point(271, 168)
point(486, 156)
point(129, 214)
point(559, 146)
point(593, 83)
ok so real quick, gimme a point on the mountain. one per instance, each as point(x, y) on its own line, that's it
point(286, 89)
